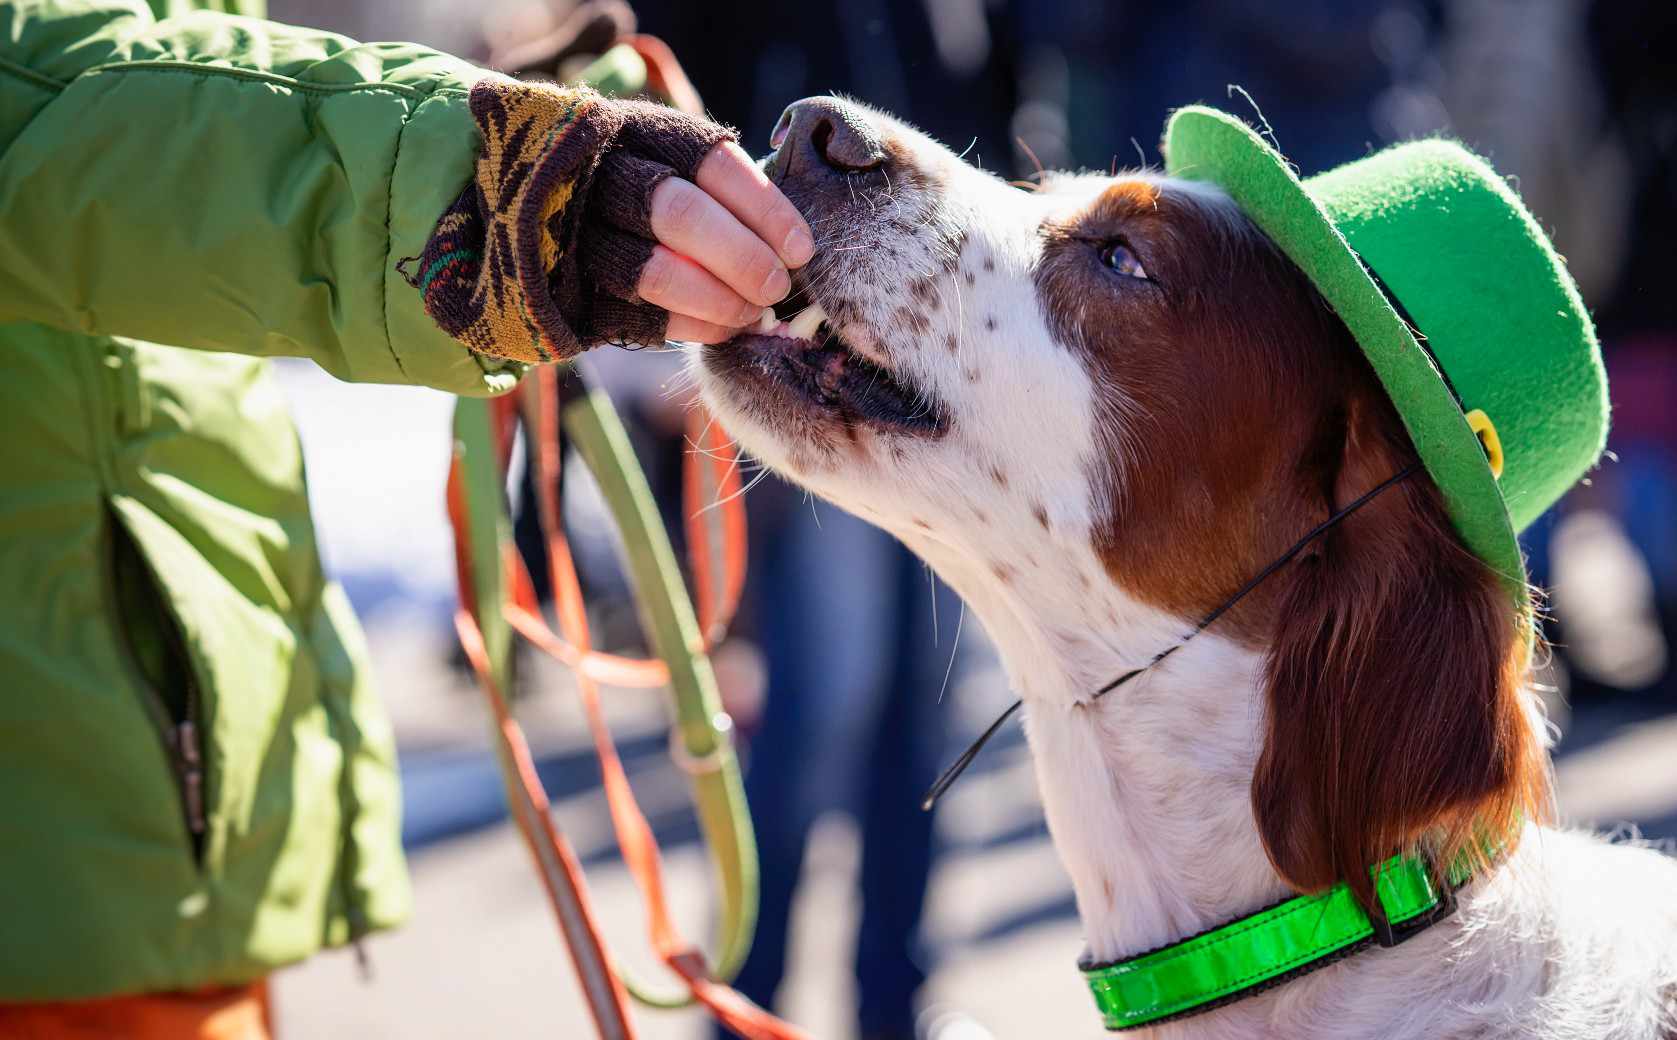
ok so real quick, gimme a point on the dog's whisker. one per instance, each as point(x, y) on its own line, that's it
point(753, 482)
point(955, 645)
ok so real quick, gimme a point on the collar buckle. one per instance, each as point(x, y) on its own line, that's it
point(1388, 935)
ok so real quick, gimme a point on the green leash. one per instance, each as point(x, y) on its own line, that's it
point(1263, 950)
point(701, 736)
point(703, 730)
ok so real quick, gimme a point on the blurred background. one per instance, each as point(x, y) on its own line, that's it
point(854, 675)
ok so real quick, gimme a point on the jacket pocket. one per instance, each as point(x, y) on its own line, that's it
point(168, 688)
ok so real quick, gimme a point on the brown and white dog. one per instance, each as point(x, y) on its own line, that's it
point(1097, 408)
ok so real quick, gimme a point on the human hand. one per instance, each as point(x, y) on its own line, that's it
point(725, 242)
point(683, 228)
point(593, 220)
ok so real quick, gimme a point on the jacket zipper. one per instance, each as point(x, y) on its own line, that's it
point(185, 747)
point(181, 735)
point(186, 757)
point(190, 763)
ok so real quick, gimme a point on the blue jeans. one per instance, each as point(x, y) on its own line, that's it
point(852, 720)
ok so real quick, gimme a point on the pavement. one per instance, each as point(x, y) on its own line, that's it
point(481, 956)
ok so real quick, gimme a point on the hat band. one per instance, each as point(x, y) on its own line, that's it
point(1414, 329)
point(1477, 420)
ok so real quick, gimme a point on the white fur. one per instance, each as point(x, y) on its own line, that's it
point(1147, 791)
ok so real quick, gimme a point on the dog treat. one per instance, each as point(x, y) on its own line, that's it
point(804, 325)
point(807, 322)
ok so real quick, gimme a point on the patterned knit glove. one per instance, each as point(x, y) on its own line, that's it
point(538, 258)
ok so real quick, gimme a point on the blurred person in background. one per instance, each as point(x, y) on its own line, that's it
point(859, 640)
point(200, 784)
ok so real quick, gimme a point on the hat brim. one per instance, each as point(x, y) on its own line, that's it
point(1203, 144)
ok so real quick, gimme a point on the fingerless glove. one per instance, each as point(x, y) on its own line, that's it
point(539, 257)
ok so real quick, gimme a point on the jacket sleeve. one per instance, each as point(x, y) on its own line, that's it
point(230, 184)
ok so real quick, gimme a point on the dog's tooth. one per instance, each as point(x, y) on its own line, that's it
point(766, 322)
point(807, 322)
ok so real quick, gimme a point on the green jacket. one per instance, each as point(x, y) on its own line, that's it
point(197, 784)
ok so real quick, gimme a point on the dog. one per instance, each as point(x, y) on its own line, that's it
point(1097, 404)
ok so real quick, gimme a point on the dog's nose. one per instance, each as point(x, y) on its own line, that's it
point(824, 133)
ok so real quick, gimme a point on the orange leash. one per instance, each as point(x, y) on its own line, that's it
point(712, 498)
point(719, 576)
point(560, 872)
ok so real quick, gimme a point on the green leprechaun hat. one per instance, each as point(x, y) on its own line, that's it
point(1465, 311)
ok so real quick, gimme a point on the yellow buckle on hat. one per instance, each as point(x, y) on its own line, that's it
point(1485, 430)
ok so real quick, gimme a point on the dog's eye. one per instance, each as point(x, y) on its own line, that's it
point(1122, 259)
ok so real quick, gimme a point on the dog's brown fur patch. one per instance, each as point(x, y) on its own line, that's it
point(1192, 503)
point(1241, 415)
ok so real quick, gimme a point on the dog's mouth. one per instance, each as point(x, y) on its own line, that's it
point(798, 354)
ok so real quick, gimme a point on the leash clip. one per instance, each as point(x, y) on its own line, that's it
point(1389, 935)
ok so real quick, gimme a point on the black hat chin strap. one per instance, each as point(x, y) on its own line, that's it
point(960, 765)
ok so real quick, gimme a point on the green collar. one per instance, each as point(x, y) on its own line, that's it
point(1267, 948)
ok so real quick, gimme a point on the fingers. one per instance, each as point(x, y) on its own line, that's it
point(689, 221)
point(728, 175)
point(691, 330)
point(682, 287)
point(725, 238)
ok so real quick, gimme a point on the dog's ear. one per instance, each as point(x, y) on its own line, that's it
point(1394, 713)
